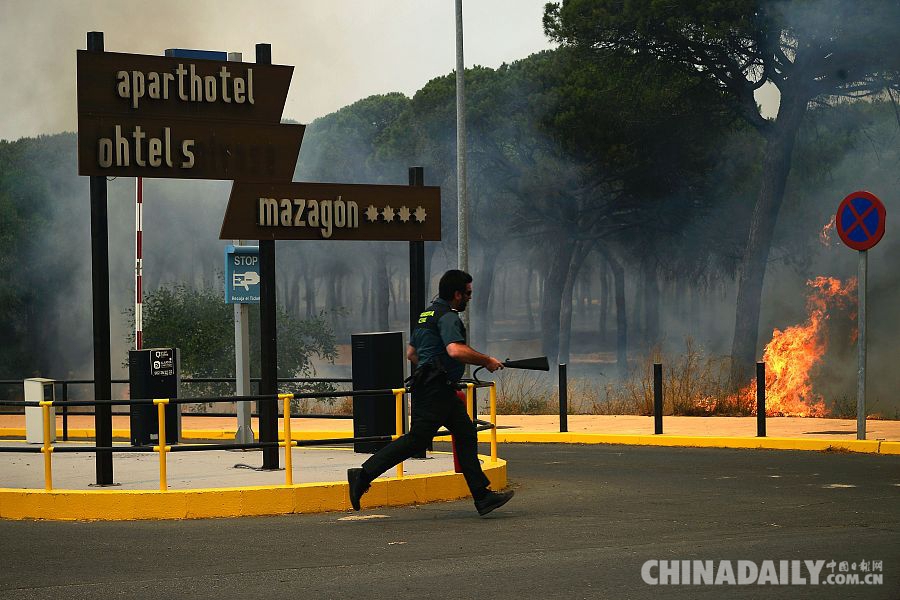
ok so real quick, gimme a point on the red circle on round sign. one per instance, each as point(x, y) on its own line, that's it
point(860, 220)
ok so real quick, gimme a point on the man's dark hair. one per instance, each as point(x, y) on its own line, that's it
point(451, 282)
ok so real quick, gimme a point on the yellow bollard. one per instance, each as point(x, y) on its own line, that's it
point(398, 420)
point(47, 449)
point(162, 448)
point(493, 397)
point(470, 400)
point(288, 441)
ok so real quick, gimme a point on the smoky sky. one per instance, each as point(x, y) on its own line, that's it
point(342, 50)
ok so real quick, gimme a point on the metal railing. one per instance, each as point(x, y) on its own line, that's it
point(65, 404)
point(162, 449)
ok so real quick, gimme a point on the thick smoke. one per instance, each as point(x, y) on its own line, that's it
point(182, 219)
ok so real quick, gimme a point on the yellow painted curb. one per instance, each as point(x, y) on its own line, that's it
point(767, 443)
point(126, 505)
point(889, 448)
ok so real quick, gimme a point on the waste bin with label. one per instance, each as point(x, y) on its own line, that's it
point(154, 373)
point(378, 364)
point(38, 389)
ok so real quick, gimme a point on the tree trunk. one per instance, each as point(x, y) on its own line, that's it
point(382, 297)
point(395, 296)
point(638, 308)
point(604, 300)
point(529, 312)
point(618, 273)
point(482, 301)
point(309, 282)
point(373, 299)
point(651, 303)
point(430, 249)
point(585, 296)
point(695, 308)
point(551, 301)
point(364, 305)
point(776, 167)
point(565, 318)
point(295, 295)
point(331, 302)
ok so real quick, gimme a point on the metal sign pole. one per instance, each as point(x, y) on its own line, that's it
point(242, 384)
point(861, 341)
point(860, 222)
point(100, 291)
point(244, 434)
point(462, 209)
point(268, 409)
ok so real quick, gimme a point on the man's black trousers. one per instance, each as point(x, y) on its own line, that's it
point(434, 403)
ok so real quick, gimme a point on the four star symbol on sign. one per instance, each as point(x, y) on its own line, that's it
point(388, 213)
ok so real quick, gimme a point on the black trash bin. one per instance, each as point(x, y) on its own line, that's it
point(154, 373)
point(378, 363)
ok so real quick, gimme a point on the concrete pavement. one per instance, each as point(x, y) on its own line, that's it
point(582, 524)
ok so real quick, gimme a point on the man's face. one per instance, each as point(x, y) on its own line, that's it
point(461, 300)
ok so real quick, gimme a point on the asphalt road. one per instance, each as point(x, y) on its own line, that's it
point(582, 524)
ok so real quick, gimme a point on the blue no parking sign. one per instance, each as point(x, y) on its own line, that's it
point(860, 220)
point(860, 223)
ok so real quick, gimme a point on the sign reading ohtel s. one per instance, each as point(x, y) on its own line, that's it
point(169, 117)
point(332, 211)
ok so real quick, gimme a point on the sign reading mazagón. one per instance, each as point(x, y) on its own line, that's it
point(338, 211)
point(158, 116)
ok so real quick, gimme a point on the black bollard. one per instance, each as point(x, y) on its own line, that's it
point(760, 399)
point(563, 400)
point(657, 399)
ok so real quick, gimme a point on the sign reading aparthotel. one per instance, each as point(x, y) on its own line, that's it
point(337, 211)
point(157, 116)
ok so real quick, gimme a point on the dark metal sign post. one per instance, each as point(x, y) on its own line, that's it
point(417, 283)
point(100, 291)
point(268, 334)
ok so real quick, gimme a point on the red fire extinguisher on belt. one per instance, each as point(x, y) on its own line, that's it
point(456, 467)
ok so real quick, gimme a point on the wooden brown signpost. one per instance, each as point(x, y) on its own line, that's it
point(169, 117)
point(165, 86)
point(332, 211)
point(137, 146)
point(183, 118)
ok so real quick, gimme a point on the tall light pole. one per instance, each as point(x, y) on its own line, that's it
point(462, 205)
point(462, 209)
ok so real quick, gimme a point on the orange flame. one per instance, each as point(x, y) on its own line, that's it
point(793, 352)
point(825, 234)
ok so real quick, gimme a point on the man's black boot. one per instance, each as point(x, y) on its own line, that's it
point(492, 500)
point(359, 485)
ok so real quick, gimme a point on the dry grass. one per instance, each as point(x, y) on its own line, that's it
point(523, 393)
point(693, 384)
